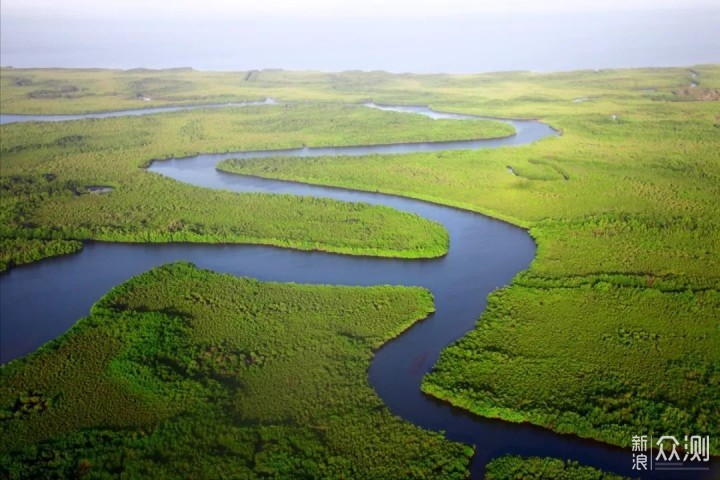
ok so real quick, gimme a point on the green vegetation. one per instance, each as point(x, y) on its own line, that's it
point(600, 360)
point(513, 467)
point(613, 330)
point(17, 251)
point(46, 168)
point(182, 372)
point(505, 93)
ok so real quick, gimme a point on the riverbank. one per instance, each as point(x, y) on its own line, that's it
point(45, 181)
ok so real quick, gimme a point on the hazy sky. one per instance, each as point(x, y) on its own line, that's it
point(458, 36)
point(236, 8)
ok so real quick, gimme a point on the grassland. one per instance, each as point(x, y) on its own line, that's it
point(46, 168)
point(614, 328)
point(599, 361)
point(512, 467)
point(182, 372)
point(48, 91)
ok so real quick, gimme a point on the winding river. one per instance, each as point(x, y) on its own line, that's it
point(41, 301)
point(18, 118)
